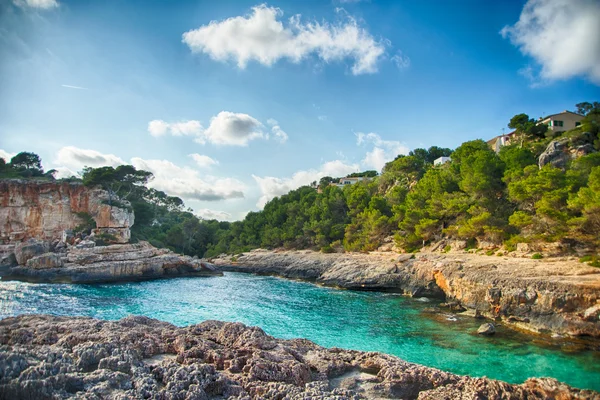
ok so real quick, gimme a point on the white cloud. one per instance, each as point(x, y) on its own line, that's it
point(205, 213)
point(76, 158)
point(271, 187)
point(64, 172)
point(276, 130)
point(159, 127)
point(402, 61)
point(263, 38)
point(6, 155)
point(382, 152)
point(234, 129)
point(322, 117)
point(43, 4)
point(74, 87)
point(203, 161)
point(563, 36)
point(186, 182)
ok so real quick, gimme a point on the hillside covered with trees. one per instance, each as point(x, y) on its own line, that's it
point(479, 196)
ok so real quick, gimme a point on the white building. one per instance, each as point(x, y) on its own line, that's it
point(441, 160)
point(561, 122)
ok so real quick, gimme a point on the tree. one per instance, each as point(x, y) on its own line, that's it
point(585, 107)
point(27, 162)
point(519, 122)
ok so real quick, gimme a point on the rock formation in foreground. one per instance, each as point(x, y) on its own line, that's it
point(548, 296)
point(43, 357)
point(44, 210)
point(38, 261)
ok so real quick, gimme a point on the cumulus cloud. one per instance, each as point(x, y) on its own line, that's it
point(203, 161)
point(205, 213)
point(563, 36)
point(264, 38)
point(277, 132)
point(76, 158)
point(382, 152)
point(6, 155)
point(159, 127)
point(271, 187)
point(186, 182)
point(64, 172)
point(42, 4)
point(233, 129)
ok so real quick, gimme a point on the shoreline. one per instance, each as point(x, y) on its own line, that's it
point(556, 298)
point(141, 357)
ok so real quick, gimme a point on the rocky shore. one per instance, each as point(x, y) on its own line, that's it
point(43, 357)
point(39, 261)
point(557, 296)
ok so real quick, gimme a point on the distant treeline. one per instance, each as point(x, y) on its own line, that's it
point(479, 196)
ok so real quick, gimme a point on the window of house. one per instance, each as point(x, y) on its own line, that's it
point(558, 123)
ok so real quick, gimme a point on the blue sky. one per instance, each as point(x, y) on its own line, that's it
point(271, 96)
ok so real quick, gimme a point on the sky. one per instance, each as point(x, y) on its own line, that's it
point(232, 103)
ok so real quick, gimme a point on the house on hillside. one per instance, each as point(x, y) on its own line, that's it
point(500, 141)
point(561, 122)
point(350, 181)
point(441, 160)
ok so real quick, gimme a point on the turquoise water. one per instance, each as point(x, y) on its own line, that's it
point(414, 330)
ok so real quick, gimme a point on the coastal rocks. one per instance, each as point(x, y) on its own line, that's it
point(114, 263)
point(45, 261)
point(137, 357)
point(29, 249)
point(541, 296)
point(486, 329)
point(43, 210)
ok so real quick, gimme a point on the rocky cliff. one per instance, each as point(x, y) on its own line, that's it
point(558, 296)
point(43, 357)
point(37, 261)
point(43, 210)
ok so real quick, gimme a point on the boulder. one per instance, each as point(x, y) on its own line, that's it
point(8, 260)
point(560, 151)
point(592, 314)
point(29, 249)
point(45, 261)
point(487, 329)
point(85, 244)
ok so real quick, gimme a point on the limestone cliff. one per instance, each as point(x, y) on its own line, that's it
point(43, 210)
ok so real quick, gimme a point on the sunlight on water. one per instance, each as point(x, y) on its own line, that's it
point(414, 330)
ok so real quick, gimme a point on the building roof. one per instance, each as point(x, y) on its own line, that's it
point(560, 113)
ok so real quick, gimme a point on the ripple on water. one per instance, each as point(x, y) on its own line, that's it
point(413, 329)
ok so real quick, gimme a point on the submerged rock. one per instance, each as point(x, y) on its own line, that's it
point(487, 329)
point(58, 357)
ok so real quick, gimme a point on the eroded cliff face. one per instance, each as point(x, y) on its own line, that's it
point(43, 210)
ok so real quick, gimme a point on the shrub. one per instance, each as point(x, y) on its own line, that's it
point(447, 248)
point(490, 252)
point(87, 223)
point(327, 249)
point(537, 256)
point(104, 239)
point(592, 261)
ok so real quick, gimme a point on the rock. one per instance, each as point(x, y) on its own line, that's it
point(137, 357)
point(67, 236)
point(45, 261)
point(29, 249)
point(592, 314)
point(114, 263)
point(48, 210)
point(487, 329)
point(560, 151)
point(8, 260)
point(85, 244)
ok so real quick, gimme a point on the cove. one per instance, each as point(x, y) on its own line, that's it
point(413, 330)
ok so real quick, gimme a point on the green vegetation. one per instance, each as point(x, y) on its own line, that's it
point(480, 196)
point(87, 223)
point(537, 256)
point(24, 165)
